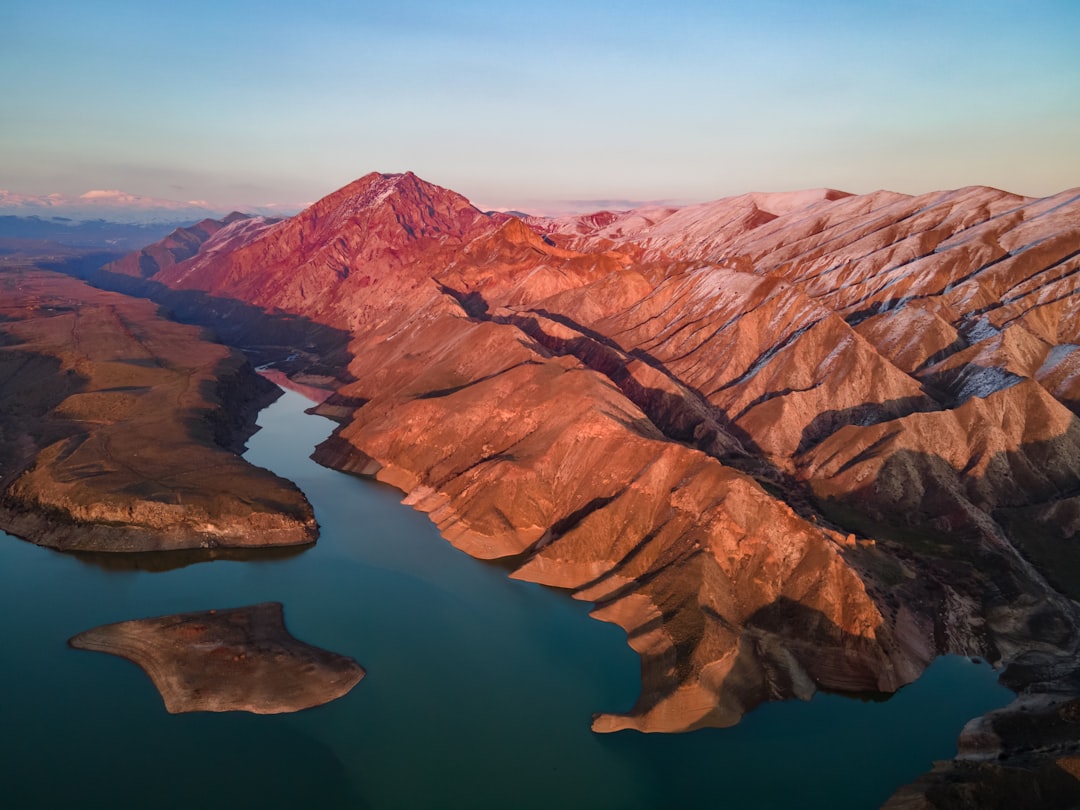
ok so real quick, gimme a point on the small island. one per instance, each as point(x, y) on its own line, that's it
point(242, 659)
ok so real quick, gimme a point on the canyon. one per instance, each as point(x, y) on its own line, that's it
point(789, 442)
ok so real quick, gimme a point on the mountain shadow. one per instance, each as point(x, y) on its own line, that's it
point(293, 343)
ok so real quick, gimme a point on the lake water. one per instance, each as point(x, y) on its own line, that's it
point(479, 690)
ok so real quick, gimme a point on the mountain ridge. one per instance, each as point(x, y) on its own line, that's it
point(117, 206)
point(615, 400)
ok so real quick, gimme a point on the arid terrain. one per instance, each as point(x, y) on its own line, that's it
point(118, 428)
point(789, 442)
point(240, 659)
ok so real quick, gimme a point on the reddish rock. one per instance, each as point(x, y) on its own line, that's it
point(183, 243)
point(787, 441)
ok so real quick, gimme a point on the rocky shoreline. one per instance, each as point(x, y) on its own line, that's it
point(121, 429)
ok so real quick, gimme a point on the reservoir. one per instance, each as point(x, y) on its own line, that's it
point(479, 689)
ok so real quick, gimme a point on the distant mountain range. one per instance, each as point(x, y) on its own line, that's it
point(118, 206)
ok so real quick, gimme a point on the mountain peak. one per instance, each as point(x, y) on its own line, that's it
point(394, 202)
point(373, 237)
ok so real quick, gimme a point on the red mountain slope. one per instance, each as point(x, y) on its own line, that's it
point(787, 441)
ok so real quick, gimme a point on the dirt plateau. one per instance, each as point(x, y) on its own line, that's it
point(118, 428)
point(789, 442)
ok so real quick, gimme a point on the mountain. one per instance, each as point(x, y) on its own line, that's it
point(109, 205)
point(116, 206)
point(184, 242)
point(23, 233)
point(119, 430)
point(788, 441)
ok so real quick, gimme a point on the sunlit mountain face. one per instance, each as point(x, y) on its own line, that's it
point(726, 424)
point(790, 442)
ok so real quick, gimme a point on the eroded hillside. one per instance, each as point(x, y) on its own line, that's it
point(787, 441)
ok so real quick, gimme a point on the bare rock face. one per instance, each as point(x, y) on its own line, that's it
point(578, 481)
point(113, 429)
point(183, 243)
point(241, 659)
point(345, 261)
point(787, 441)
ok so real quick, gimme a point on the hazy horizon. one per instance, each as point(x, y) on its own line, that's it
point(528, 107)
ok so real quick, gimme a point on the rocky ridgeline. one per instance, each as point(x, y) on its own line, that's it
point(787, 441)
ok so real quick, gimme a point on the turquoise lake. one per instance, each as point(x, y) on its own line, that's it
point(479, 689)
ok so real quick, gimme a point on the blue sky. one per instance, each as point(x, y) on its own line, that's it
point(521, 103)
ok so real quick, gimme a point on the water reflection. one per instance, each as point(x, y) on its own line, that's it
point(159, 561)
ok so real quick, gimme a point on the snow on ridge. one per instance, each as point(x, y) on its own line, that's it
point(780, 203)
point(114, 205)
point(982, 381)
point(1055, 358)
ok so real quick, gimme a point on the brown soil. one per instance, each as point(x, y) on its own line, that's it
point(111, 425)
point(241, 659)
